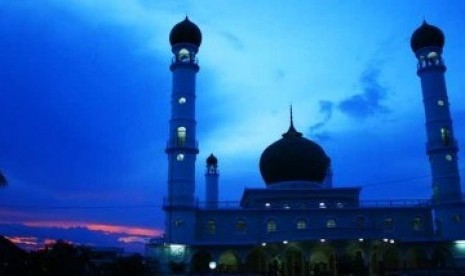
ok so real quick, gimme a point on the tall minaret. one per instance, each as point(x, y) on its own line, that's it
point(427, 43)
point(211, 182)
point(182, 148)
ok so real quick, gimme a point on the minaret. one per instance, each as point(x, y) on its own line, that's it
point(427, 43)
point(182, 149)
point(211, 182)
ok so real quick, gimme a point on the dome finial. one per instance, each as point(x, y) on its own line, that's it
point(292, 132)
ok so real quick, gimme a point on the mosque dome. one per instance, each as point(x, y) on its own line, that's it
point(212, 160)
point(185, 32)
point(293, 158)
point(426, 36)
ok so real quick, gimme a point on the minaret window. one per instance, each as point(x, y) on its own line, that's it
point(432, 55)
point(182, 100)
point(445, 136)
point(184, 55)
point(301, 224)
point(271, 226)
point(181, 135)
point(449, 157)
point(440, 102)
point(331, 223)
point(180, 157)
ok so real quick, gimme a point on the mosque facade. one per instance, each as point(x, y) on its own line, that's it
point(300, 224)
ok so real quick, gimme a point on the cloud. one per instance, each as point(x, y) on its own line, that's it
point(326, 110)
point(370, 101)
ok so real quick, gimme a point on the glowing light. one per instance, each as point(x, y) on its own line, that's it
point(322, 205)
point(285, 242)
point(360, 240)
point(263, 243)
point(212, 265)
point(391, 241)
point(385, 240)
point(322, 240)
point(267, 204)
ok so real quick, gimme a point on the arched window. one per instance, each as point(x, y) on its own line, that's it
point(184, 55)
point(181, 135)
point(360, 222)
point(301, 224)
point(445, 135)
point(388, 223)
point(211, 227)
point(271, 226)
point(241, 226)
point(417, 224)
point(331, 223)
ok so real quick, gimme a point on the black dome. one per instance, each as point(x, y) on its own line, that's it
point(293, 158)
point(426, 36)
point(185, 32)
point(212, 160)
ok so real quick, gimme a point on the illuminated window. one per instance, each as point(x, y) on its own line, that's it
point(322, 205)
point(301, 224)
point(360, 222)
point(388, 223)
point(241, 225)
point(182, 100)
point(184, 55)
point(181, 134)
point(445, 135)
point(340, 205)
point(211, 227)
point(286, 206)
point(417, 224)
point(180, 157)
point(448, 157)
point(271, 226)
point(330, 223)
point(432, 55)
point(441, 103)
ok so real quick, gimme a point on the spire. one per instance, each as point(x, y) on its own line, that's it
point(292, 132)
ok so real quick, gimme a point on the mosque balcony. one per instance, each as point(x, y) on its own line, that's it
point(439, 145)
point(180, 203)
point(301, 205)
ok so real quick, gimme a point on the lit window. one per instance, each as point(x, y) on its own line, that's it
point(267, 204)
point(180, 157)
point(184, 55)
point(286, 206)
point(241, 225)
point(331, 223)
point(360, 222)
point(448, 157)
point(445, 135)
point(441, 103)
point(301, 224)
point(181, 134)
point(211, 227)
point(388, 223)
point(339, 205)
point(417, 224)
point(432, 55)
point(182, 100)
point(322, 205)
point(271, 226)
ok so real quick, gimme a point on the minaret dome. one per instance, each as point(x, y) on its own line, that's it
point(426, 36)
point(185, 32)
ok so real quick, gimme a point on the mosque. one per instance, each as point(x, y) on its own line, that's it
point(300, 224)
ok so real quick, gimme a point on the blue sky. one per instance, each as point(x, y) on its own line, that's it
point(85, 90)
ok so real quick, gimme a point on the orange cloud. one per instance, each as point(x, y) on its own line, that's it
point(108, 228)
point(23, 240)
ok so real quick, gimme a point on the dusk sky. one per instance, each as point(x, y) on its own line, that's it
point(85, 91)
